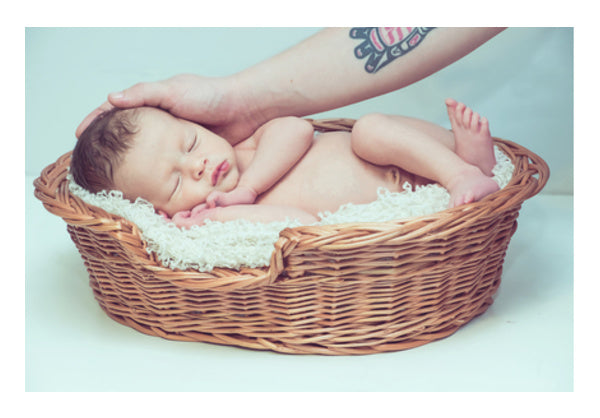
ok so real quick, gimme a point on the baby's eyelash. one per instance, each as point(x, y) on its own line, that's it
point(176, 187)
point(193, 143)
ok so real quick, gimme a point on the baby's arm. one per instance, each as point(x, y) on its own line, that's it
point(280, 143)
point(254, 213)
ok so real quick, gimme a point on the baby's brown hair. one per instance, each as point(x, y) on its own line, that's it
point(101, 147)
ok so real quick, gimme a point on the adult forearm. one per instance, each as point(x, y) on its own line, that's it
point(327, 70)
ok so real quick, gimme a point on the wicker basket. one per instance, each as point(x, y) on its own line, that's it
point(341, 289)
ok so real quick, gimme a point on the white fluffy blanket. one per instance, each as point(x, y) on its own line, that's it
point(241, 243)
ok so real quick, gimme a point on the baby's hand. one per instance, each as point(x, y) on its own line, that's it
point(188, 218)
point(238, 196)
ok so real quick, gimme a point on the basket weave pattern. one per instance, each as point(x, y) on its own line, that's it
point(339, 289)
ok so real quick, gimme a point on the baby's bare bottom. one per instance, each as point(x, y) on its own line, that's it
point(432, 152)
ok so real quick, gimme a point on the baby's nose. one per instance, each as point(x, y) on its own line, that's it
point(197, 167)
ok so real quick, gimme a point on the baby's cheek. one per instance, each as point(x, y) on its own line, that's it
point(231, 181)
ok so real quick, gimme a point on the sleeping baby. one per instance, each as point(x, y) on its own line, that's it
point(283, 170)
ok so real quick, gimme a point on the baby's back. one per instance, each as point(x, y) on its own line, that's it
point(328, 176)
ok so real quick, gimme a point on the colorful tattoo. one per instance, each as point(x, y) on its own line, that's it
point(381, 46)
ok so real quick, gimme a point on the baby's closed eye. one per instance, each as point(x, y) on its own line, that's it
point(193, 143)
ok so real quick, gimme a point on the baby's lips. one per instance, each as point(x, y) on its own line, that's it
point(221, 168)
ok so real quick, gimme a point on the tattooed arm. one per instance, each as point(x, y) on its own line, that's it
point(337, 67)
point(381, 46)
point(333, 68)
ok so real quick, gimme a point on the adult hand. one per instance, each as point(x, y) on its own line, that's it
point(215, 103)
point(283, 85)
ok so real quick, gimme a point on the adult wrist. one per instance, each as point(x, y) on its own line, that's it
point(247, 100)
point(268, 95)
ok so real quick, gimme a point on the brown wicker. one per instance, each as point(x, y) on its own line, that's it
point(344, 289)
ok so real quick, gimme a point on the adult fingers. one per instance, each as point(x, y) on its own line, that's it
point(89, 118)
point(142, 94)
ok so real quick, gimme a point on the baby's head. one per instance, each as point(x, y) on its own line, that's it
point(101, 148)
point(146, 152)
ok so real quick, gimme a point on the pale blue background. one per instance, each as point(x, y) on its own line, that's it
point(522, 80)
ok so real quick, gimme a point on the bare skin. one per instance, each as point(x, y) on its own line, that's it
point(235, 106)
point(472, 135)
point(329, 170)
point(461, 161)
point(474, 144)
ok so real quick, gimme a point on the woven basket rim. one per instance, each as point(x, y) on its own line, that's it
point(530, 176)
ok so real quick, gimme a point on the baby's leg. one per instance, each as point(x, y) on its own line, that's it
point(473, 140)
point(445, 136)
point(389, 140)
point(470, 137)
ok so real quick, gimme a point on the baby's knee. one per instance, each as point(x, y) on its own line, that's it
point(365, 131)
point(301, 129)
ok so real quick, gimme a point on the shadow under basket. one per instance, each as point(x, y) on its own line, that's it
point(342, 289)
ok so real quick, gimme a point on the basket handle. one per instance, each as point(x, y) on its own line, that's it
point(52, 189)
point(531, 165)
point(537, 166)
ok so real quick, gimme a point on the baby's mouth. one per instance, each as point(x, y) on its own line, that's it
point(219, 171)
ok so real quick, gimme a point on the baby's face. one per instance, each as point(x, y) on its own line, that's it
point(174, 164)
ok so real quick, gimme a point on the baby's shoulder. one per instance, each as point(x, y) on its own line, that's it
point(248, 144)
point(245, 150)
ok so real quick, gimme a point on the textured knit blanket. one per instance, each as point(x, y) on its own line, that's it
point(241, 243)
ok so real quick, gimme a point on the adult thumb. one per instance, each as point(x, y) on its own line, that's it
point(141, 94)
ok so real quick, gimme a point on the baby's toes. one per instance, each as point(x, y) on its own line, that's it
point(450, 102)
point(460, 113)
point(451, 109)
point(455, 200)
point(467, 116)
point(475, 119)
point(485, 125)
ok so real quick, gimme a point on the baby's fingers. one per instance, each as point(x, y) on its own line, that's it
point(215, 199)
point(184, 214)
point(211, 202)
point(198, 209)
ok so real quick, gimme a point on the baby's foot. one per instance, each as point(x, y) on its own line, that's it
point(470, 187)
point(472, 136)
